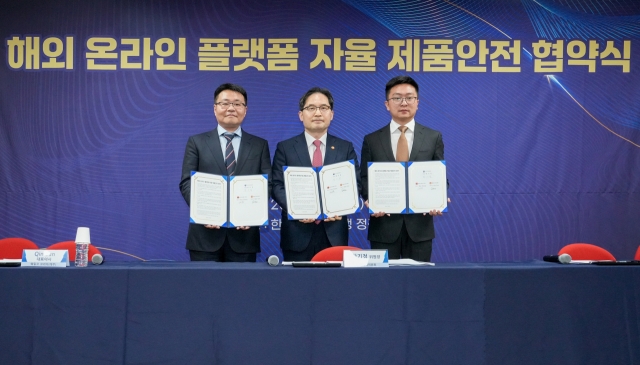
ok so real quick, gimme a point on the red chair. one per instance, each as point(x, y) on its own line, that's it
point(11, 248)
point(71, 247)
point(334, 253)
point(637, 254)
point(586, 251)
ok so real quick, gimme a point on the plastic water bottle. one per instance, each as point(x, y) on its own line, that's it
point(82, 254)
point(83, 240)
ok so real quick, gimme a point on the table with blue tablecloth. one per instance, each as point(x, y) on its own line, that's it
point(232, 313)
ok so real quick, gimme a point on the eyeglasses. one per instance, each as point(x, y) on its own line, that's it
point(313, 108)
point(224, 105)
point(409, 100)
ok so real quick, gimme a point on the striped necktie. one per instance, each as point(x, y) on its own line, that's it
point(229, 154)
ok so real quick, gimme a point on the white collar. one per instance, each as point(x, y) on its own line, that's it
point(394, 125)
point(221, 131)
point(310, 139)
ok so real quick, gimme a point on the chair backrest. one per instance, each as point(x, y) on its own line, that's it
point(334, 253)
point(11, 248)
point(71, 247)
point(586, 251)
point(637, 254)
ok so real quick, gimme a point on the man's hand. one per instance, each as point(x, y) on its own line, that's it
point(375, 215)
point(434, 212)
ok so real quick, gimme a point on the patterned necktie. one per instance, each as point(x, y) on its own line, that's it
point(229, 154)
point(317, 154)
point(402, 151)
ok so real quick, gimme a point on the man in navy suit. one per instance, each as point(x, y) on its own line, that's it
point(301, 239)
point(403, 235)
point(226, 150)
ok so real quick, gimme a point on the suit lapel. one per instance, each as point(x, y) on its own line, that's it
point(213, 142)
point(384, 138)
point(330, 153)
point(302, 150)
point(418, 141)
point(246, 143)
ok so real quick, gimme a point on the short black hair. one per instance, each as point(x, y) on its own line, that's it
point(400, 80)
point(232, 87)
point(313, 90)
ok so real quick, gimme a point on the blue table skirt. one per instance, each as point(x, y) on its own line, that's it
point(228, 313)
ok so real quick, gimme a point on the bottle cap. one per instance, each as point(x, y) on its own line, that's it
point(83, 235)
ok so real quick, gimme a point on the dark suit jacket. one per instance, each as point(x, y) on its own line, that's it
point(294, 235)
point(427, 146)
point(204, 154)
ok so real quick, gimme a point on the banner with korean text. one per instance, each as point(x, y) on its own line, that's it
point(537, 102)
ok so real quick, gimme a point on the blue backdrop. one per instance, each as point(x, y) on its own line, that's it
point(537, 102)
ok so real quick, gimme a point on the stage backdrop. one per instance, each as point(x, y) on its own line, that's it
point(537, 102)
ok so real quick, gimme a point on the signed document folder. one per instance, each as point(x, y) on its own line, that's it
point(407, 187)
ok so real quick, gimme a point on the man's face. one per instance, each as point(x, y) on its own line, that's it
point(403, 112)
point(232, 116)
point(316, 122)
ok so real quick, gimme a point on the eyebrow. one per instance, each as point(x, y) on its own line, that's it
point(398, 94)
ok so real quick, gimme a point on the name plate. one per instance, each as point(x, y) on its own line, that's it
point(366, 258)
point(45, 258)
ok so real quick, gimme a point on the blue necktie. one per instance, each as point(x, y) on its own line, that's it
point(229, 154)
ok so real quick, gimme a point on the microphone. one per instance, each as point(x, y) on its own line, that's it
point(273, 260)
point(565, 258)
point(97, 259)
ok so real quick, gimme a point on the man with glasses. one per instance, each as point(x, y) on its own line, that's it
point(226, 150)
point(301, 239)
point(403, 235)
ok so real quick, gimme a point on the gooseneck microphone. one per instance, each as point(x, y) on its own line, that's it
point(273, 260)
point(565, 258)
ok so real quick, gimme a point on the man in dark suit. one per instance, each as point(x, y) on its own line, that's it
point(226, 150)
point(403, 235)
point(301, 239)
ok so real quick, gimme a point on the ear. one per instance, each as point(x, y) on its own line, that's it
point(386, 104)
point(300, 116)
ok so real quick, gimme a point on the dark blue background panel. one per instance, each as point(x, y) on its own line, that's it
point(536, 159)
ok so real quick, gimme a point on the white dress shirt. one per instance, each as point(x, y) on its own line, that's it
point(235, 141)
point(312, 148)
point(395, 135)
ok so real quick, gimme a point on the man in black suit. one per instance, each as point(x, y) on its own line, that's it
point(301, 239)
point(403, 235)
point(226, 150)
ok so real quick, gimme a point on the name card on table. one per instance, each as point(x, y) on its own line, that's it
point(45, 258)
point(366, 258)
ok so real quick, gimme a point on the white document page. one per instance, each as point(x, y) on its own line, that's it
point(301, 186)
point(427, 186)
point(208, 199)
point(339, 189)
point(409, 262)
point(387, 187)
point(248, 200)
